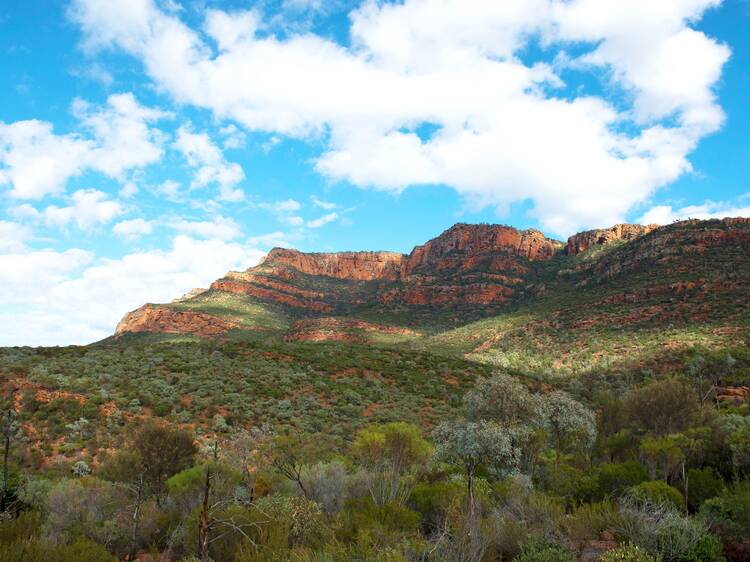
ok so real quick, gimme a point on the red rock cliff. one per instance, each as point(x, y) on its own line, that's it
point(584, 240)
point(356, 266)
point(464, 246)
point(154, 318)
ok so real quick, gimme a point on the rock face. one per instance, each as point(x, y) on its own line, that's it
point(153, 318)
point(466, 246)
point(584, 240)
point(353, 266)
point(691, 269)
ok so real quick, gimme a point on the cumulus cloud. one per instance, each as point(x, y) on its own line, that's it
point(35, 162)
point(13, 236)
point(210, 165)
point(322, 221)
point(133, 229)
point(665, 214)
point(220, 228)
point(503, 129)
point(285, 211)
point(72, 298)
point(88, 208)
point(325, 205)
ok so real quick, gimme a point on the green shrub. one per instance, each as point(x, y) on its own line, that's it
point(628, 553)
point(659, 492)
point(590, 520)
point(728, 515)
point(539, 549)
point(703, 484)
point(383, 523)
point(615, 478)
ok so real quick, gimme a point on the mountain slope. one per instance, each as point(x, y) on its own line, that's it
point(628, 277)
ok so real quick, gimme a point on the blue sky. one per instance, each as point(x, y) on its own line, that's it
point(148, 146)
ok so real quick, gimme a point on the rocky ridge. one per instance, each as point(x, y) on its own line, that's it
point(469, 271)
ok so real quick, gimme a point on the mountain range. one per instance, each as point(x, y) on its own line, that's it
point(490, 291)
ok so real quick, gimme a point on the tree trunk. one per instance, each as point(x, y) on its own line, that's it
point(136, 518)
point(685, 484)
point(470, 490)
point(205, 522)
point(6, 453)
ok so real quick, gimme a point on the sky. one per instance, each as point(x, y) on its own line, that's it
point(147, 147)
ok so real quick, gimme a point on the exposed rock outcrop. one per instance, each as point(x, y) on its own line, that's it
point(657, 274)
point(584, 240)
point(154, 318)
point(354, 266)
point(340, 329)
point(468, 246)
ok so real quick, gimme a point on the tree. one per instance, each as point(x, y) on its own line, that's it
point(392, 452)
point(571, 425)
point(164, 451)
point(290, 454)
point(663, 407)
point(9, 431)
point(738, 440)
point(127, 470)
point(503, 399)
point(208, 492)
point(468, 444)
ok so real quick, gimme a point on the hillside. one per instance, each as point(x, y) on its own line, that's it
point(606, 297)
point(289, 379)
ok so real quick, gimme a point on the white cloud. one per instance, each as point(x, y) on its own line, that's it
point(285, 211)
point(505, 131)
point(133, 229)
point(285, 206)
point(13, 236)
point(170, 189)
point(26, 277)
point(665, 214)
point(326, 205)
point(71, 299)
point(89, 208)
point(322, 221)
point(129, 190)
point(233, 137)
point(211, 166)
point(220, 228)
point(24, 211)
point(36, 162)
point(270, 240)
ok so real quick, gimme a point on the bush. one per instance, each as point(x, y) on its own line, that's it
point(614, 478)
point(703, 484)
point(660, 529)
point(539, 549)
point(382, 523)
point(657, 492)
point(729, 516)
point(590, 520)
point(628, 553)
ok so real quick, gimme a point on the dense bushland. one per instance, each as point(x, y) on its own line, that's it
point(202, 466)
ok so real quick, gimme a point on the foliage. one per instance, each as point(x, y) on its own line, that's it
point(615, 478)
point(704, 484)
point(628, 553)
point(164, 451)
point(539, 549)
point(658, 528)
point(657, 492)
point(394, 453)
